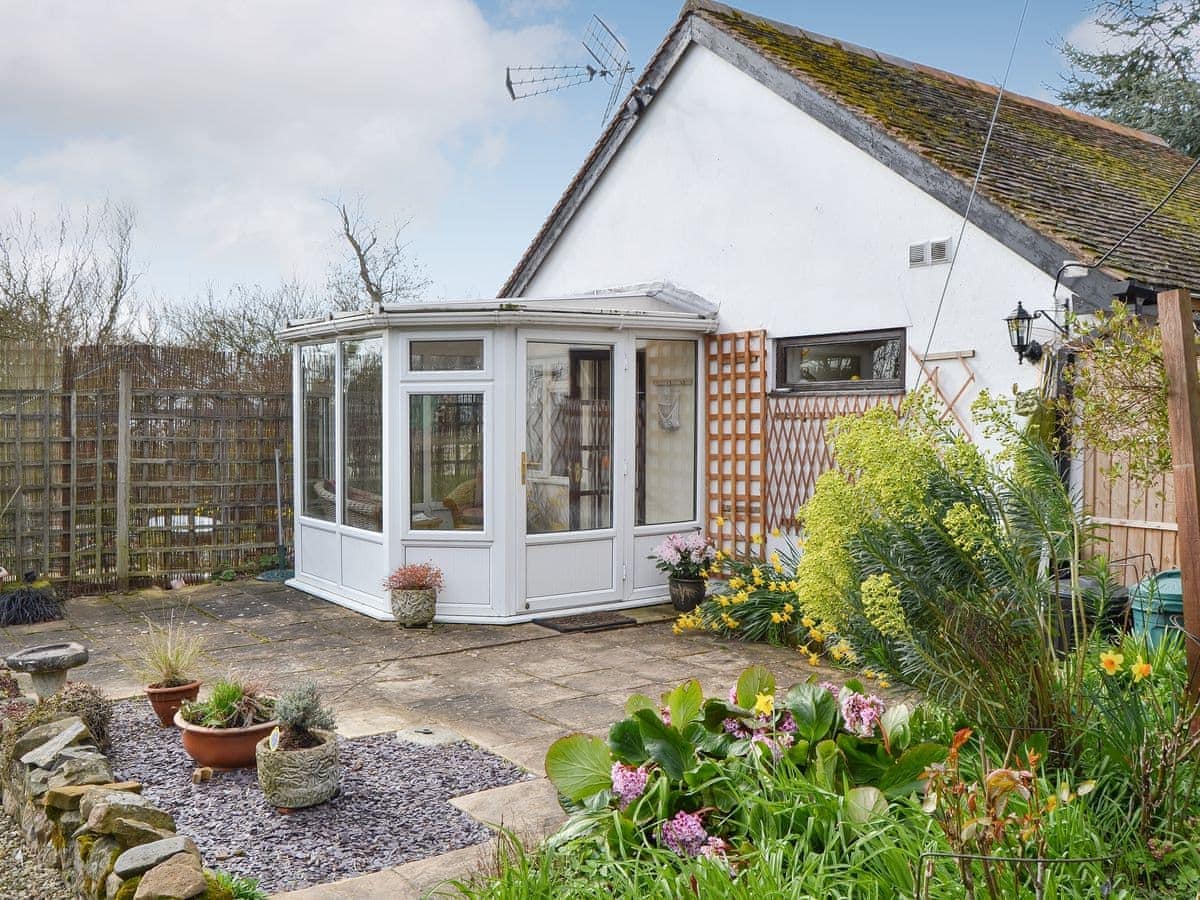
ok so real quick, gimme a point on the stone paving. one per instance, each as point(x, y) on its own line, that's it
point(511, 689)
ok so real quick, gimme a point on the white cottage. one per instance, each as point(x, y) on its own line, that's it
point(809, 196)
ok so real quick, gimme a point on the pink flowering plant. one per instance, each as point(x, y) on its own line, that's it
point(684, 555)
point(678, 773)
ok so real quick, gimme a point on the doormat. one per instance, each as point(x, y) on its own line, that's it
point(600, 621)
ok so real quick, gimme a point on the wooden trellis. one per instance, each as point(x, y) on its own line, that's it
point(797, 451)
point(933, 377)
point(736, 398)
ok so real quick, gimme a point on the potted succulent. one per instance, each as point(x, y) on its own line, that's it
point(166, 658)
point(221, 731)
point(414, 593)
point(298, 762)
point(685, 558)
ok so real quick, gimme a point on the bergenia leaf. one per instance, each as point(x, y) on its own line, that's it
point(579, 765)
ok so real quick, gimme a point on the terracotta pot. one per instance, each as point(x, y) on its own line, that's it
point(294, 779)
point(222, 748)
point(414, 608)
point(686, 593)
point(167, 700)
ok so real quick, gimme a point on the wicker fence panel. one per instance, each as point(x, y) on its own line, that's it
point(202, 431)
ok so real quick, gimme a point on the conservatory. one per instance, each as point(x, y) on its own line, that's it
point(535, 450)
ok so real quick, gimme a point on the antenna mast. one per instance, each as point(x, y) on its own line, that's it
point(609, 62)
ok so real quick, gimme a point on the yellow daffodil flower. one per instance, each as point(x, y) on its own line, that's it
point(720, 520)
point(1111, 661)
point(807, 622)
point(1140, 669)
point(775, 532)
point(884, 683)
point(756, 538)
point(813, 659)
point(764, 704)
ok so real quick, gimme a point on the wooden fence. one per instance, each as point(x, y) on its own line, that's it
point(143, 464)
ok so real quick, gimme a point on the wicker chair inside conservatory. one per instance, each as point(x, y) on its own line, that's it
point(465, 503)
point(363, 509)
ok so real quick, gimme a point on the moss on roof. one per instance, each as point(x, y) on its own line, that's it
point(1078, 179)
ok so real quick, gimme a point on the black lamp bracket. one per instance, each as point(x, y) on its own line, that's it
point(1044, 314)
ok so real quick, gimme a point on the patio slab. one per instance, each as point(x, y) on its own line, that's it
point(510, 689)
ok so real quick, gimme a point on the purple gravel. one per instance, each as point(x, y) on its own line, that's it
point(392, 807)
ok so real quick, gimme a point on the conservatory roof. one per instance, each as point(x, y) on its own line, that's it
point(647, 306)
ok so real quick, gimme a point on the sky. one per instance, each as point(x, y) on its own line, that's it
point(230, 125)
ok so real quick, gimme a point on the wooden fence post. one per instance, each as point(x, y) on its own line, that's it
point(1183, 410)
point(124, 411)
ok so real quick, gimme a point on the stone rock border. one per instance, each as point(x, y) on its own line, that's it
point(109, 842)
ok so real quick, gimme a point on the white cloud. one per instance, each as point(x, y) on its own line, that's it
point(226, 123)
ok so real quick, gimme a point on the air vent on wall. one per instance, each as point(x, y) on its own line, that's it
point(930, 253)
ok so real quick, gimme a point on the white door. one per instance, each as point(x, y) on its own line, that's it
point(572, 484)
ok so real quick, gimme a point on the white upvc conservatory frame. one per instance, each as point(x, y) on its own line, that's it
point(486, 569)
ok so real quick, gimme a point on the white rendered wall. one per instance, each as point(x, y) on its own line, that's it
point(728, 190)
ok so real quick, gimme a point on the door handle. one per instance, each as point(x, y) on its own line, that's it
point(524, 466)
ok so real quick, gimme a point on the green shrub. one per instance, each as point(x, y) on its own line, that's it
point(223, 886)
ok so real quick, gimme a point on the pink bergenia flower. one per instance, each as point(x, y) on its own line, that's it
point(733, 696)
point(714, 848)
point(664, 712)
point(736, 728)
point(862, 713)
point(629, 783)
point(831, 687)
point(787, 722)
point(684, 834)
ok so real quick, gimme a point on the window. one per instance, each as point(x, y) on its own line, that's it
point(868, 360)
point(446, 356)
point(665, 452)
point(318, 369)
point(446, 461)
point(362, 433)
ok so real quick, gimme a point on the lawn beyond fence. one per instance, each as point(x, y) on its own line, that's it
point(141, 463)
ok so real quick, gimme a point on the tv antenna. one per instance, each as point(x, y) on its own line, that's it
point(609, 62)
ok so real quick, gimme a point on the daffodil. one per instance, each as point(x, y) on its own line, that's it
point(813, 659)
point(775, 532)
point(1111, 661)
point(764, 704)
point(720, 520)
point(884, 683)
point(807, 622)
point(756, 538)
point(1140, 669)
point(788, 608)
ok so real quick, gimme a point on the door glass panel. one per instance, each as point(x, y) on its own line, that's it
point(568, 437)
point(446, 461)
point(362, 433)
point(665, 449)
point(317, 363)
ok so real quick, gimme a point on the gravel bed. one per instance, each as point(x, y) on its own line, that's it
point(392, 807)
point(21, 876)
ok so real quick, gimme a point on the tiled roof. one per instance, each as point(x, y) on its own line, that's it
point(1076, 179)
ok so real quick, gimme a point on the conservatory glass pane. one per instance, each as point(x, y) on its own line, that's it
point(317, 362)
point(665, 451)
point(568, 437)
point(362, 436)
point(446, 356)
point(446, 461)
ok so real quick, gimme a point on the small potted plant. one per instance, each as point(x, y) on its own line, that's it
point(414, 593)
point(298, 762)
point(166, 658)
point(685, 558)
point(223, 730)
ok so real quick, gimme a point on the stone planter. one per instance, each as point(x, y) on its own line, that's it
point(294, 779)
point(686, 593)
point(415, 608)
point(167, 700)
point(222, 748)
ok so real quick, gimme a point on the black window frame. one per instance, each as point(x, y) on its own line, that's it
point(881, 385)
